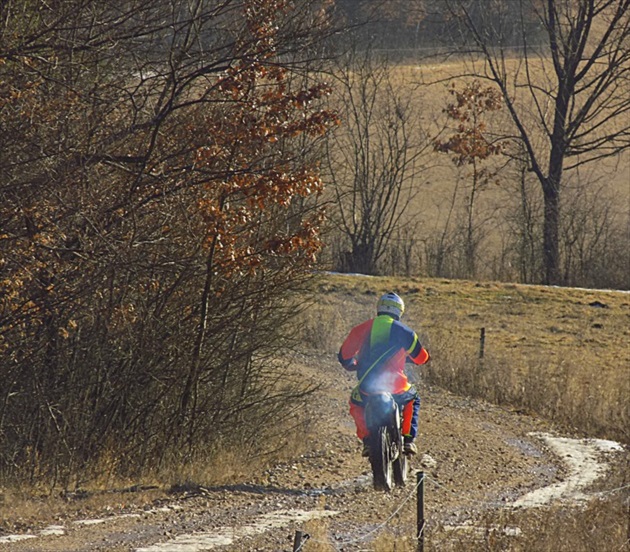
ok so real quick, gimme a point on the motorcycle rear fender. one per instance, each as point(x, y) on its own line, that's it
point(381, 410)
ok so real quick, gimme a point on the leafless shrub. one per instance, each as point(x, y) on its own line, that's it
point(402, 257)
point(593, 233)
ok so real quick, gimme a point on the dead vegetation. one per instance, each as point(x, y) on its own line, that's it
point(432, 237)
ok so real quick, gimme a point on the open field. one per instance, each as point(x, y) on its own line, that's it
point(613, 173)
point(429, 81)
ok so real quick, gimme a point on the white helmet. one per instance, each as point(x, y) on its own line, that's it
point(391, 304)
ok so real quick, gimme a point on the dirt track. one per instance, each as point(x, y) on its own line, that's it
point(477, 457)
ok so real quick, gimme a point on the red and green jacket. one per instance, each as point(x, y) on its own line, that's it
point(377, 350)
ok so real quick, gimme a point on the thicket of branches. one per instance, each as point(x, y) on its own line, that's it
point(371, 161)
point(158, 199)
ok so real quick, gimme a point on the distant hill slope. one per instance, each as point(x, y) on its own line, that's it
point(559, 352)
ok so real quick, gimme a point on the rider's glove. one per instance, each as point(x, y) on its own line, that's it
point(348, 364)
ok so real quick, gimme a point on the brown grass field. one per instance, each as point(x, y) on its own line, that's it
point(558, 352)
point(611, 175)
point(599, 186)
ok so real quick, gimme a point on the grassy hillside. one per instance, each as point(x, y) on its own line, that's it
point(557, 352)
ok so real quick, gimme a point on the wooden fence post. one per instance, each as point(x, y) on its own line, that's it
point(482, 343)
point(299, 540)
point(420, 517)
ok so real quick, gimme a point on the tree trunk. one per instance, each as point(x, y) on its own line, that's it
point(190, 388)
point(551, 251)
point(361, 259)
point(551, 184)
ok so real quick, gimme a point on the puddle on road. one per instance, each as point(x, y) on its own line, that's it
point(469, 527)
point(223, 536)
point(15, 538)
point(51, 530)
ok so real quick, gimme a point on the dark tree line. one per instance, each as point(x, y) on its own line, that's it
point(431, 24)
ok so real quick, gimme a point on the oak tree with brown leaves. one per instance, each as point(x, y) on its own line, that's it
point(158, 203)
point(470, 146)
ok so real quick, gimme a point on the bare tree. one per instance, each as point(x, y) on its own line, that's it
point(568, 97)
point(373, 159)
point(592, 237)
point(524, 220)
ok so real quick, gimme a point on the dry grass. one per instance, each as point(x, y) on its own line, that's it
point(601, 526)
point(23, 505)
point(557, 352)
point(23, 508)
point(319, 540)
point(433, 97)
point(440, 185)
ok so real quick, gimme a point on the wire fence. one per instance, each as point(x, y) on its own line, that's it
point(340, 544)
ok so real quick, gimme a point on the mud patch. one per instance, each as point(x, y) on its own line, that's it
point(585, 463)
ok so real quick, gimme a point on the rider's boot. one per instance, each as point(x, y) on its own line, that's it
point(409, 447)
point(366, 448)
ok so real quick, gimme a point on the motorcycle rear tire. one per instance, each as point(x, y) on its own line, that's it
point(401, 469)
point(380, 459)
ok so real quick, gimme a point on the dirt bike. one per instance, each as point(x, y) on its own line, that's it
point(383, 417)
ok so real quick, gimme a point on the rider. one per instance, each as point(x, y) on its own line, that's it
point(377, 350)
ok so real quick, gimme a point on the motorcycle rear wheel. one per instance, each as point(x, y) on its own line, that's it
point(401, 469)
point(380, 459)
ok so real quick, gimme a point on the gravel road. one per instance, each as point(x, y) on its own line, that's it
point(477, 457)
